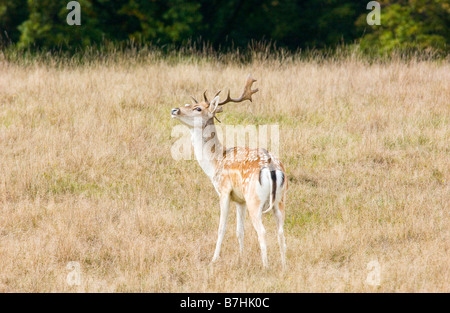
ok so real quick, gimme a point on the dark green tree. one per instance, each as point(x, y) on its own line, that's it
point(291, 23)
point(409, 25)
point(46, 26)
point(121, 20)
point(12, 14)
point(405, 24)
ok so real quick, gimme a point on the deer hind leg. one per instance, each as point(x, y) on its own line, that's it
point(241, 210)
point(255, 208)
point(278, 212)
point(224, 207)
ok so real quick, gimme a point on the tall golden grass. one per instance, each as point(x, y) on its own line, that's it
point(86, 175)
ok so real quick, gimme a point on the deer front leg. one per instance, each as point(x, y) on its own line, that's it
point(224, 207)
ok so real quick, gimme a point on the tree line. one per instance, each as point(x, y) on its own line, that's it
point(405, 24)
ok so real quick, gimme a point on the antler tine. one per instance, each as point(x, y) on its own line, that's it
point(206, 99)
point(195, 100)
point(246, 94)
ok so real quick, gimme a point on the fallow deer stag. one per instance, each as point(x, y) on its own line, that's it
point(252, 178)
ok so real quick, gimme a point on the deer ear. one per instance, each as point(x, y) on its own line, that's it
point(214, 104)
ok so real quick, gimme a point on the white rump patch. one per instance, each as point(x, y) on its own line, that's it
point(263, 190)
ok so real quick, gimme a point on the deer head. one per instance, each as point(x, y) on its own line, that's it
point(202, 113)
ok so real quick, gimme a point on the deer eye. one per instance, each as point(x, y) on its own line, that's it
point(198, 109)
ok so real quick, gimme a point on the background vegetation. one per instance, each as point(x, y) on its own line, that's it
point(405, 24)
point(86, 175)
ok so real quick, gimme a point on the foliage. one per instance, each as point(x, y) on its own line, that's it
point(405, 24)
point(412, 25)
point(12, 14)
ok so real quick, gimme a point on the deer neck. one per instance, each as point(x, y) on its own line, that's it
point(207, 147)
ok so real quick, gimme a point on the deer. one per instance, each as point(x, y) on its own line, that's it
point(252, 178)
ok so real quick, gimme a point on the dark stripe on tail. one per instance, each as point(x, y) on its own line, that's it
point(273, 174)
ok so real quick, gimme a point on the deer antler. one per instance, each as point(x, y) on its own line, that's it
point(246, 94)
point(206, 98)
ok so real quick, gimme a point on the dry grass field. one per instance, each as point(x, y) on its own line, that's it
point(86, 175)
